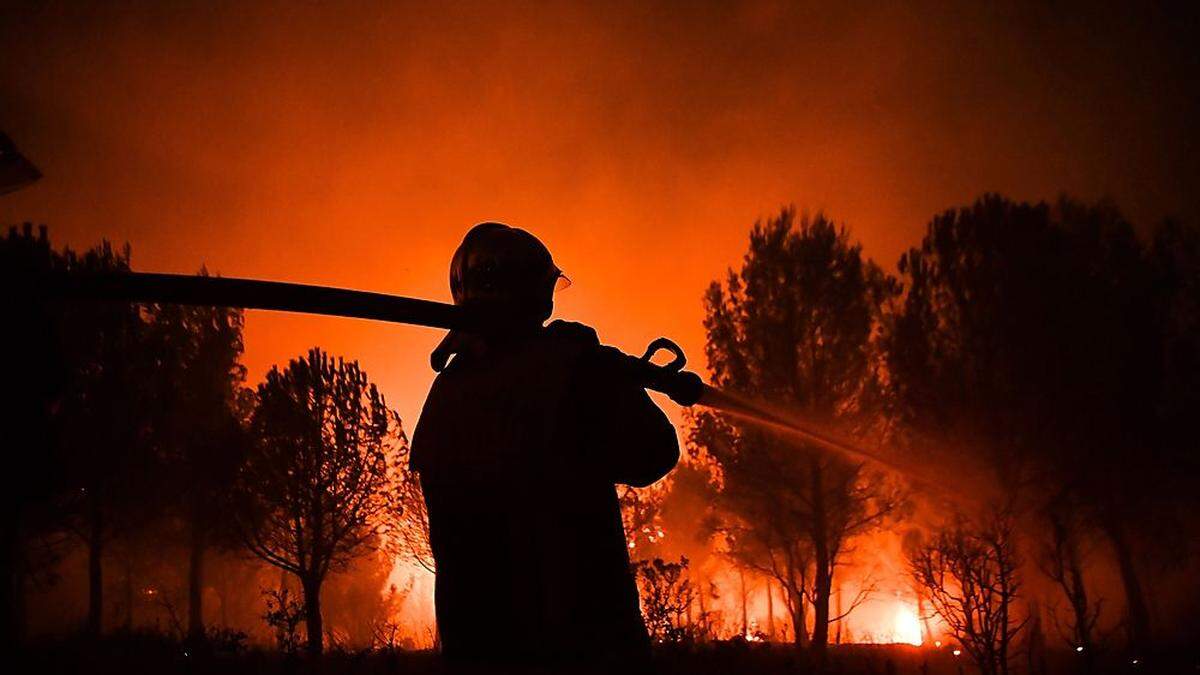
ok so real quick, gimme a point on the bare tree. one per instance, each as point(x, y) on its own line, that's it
point(201, 435)
point(1062, 558)
point(970, 576)
point(316, 483)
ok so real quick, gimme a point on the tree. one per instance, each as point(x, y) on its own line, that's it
point(1033, 335)
point(796, 325)
point(130, 411)
point(315, 483)
point(1063, 559)
point(31, 526)
point(970, 573)
point(88, 422)
point(667, 596)
point(201, 435)
point(104, 418)
point(408, 518)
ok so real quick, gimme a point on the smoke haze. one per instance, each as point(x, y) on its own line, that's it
point(353, 145)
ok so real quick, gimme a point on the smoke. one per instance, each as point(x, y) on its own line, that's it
point(353, 145)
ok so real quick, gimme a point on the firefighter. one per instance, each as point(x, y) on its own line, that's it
point(519, 448)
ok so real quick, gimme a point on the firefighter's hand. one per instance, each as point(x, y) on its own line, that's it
point(575, 332)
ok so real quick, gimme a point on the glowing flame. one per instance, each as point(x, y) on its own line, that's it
point(906, 626)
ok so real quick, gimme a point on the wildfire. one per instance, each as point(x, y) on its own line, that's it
point(906, 627)
point(888, 621)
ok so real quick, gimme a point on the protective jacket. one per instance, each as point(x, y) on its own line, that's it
point(519, 448)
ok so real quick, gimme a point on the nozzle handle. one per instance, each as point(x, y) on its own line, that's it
point(666, 344)
point(681, 386)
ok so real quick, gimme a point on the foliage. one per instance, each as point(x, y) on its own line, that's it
point(284, 615)
point(225, 641)
point(668, 599)
point(201, 438)
point(133, 414)
point(316, 484)
point(31, 484)
point(108, 484)
point(1051, 342)
point(408, 521)
point(797, 326)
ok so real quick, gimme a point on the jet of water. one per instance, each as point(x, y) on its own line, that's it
point(814, 434)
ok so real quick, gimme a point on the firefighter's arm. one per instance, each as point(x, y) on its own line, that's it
point(630, 438)
point(641, 445)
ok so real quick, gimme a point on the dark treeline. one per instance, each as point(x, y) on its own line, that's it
point(1063, 350)
point(1037, 364)
point(135, 438)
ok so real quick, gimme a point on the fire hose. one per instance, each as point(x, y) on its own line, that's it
point(681, 386)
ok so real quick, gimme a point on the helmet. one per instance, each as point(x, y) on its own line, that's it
point(507, 269)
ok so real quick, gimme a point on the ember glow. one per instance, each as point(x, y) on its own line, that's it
point(906, 626)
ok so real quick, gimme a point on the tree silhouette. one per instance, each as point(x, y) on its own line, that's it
point(970, 573)
point(1033, 335)
point(315, 483)
point(114, 393)
point(408, 520)
point(795, 325)
point(36, 379)
point(105, 420)
point(201, 437)
point(1063, 558)
point(667, 597)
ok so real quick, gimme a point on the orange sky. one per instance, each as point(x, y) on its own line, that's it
point(354, 147)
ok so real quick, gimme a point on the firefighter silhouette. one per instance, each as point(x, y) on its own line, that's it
point(519, 448)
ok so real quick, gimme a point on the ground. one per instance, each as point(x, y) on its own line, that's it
point(150, 654)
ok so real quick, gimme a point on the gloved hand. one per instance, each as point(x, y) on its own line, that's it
point(455, 342)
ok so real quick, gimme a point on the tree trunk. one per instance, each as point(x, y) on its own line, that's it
point(820, 634)
point(95, 544)
point(745, 615)
point(130, 594)
point(927, 637)
point(312, 616)
point(770, 612)
point(1081, 607)
point(199, 543)
point(823, 581)
point(799, 614)
point(14, 592)
point(838, 636)
point(800, 626)
point(1135, 601)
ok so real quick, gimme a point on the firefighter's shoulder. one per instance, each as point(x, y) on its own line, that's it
point(572, 331)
